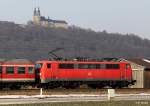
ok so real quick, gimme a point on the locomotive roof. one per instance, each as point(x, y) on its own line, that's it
point(54, 61)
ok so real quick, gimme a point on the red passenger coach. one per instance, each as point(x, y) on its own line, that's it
point(72, 74)
point(15, 73)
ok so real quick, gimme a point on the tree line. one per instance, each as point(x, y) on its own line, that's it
point(34, 43)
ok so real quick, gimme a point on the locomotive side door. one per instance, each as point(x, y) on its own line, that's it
point(122, 73)
point(124, 68)
point(52, 70)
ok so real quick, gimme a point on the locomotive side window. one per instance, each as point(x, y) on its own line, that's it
point(66, 66)
point(21, 70)
point(83, 66)
point(0, 69)
point(116, 66)
point(48, 65)
point(112, 66)
point(10, 70)
point(30, 70)
point(103, 66)
point(98, 66)
point(92, 66)
point(87, 66)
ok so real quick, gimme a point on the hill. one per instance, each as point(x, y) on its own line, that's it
point(34, 43)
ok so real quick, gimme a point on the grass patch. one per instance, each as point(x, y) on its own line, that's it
point(106, 103)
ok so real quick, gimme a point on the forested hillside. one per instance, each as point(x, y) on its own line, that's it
point(34, 43)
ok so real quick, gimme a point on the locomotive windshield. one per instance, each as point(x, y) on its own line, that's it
point(38, 65)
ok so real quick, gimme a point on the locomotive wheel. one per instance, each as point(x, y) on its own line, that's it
point(100, 86)
point(75, 85)
point(1, 87)
point(93, 86)
point(53, 85)
point(114, 86)
point(71, 85)
point(15, 87)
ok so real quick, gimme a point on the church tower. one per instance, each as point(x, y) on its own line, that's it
point(37, 16)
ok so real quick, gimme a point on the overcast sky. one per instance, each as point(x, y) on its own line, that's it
point(123, 16)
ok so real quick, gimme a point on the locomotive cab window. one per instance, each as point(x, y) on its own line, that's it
point(21, 70)
point(0, 69)
point(30, 70)
point(10, 70)
point(48, 65)
point(66, 66)
point(127, 66)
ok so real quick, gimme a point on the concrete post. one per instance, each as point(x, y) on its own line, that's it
point(41, 92)
point(111, 94)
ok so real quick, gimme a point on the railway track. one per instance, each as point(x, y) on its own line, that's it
point(70, 91)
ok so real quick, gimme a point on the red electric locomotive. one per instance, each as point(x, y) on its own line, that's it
point(73, 73)
point(15, 73)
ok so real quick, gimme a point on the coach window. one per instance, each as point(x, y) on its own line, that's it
point(30, 70)
point(21, 70)
point(10, 70)
point(48, 65)
point(66, 66)
point(0, 69)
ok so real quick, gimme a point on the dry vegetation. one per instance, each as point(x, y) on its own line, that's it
point(35, 42)
point(107, 103)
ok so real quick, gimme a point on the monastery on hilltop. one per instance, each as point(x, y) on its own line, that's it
point(47, 22)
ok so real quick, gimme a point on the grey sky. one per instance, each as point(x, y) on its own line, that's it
point(123, 16)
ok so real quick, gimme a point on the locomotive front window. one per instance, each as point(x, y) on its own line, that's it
point(38, 65)
point(30, 70)
point(0, 69)
point(21, 70)
point(10, 70)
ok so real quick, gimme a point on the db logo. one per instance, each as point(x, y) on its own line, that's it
point(89, 74)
